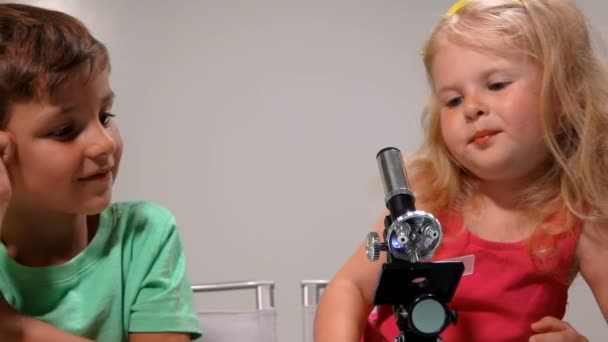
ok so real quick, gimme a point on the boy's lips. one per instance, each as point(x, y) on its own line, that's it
point(99, 175)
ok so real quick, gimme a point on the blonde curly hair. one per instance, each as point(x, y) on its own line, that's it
point(573, 111)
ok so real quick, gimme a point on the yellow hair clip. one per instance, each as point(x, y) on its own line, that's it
point(456, 7)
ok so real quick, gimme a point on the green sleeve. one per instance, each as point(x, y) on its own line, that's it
point(163, 299)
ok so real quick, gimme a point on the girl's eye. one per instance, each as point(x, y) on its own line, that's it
point(498, 85)
point(454, 102)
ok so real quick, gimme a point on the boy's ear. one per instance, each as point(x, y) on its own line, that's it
point(7, 146)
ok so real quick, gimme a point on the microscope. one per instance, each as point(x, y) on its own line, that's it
point(417, 289)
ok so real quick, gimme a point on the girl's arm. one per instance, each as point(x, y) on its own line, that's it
point(347, 300)
point(592, 257)
point(592, 254)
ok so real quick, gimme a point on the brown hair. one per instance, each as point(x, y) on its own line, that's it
point(40, 51)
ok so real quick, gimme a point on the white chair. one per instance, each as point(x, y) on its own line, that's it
point(257, 325)
point(311, 292)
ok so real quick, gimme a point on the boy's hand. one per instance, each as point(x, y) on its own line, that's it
point(6, 191)
point(11, 322)
point(551, 329)
point(4, 306)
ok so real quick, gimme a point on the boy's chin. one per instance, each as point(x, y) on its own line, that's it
point(94, 207)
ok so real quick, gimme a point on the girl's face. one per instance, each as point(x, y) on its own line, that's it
point(489, 111)
point(67, 149)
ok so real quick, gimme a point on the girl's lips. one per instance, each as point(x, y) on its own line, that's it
point(483, 138)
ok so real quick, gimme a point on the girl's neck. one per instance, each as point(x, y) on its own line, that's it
point(495, 211)
point(44, 238)
point(511, 194)
point(506, 195)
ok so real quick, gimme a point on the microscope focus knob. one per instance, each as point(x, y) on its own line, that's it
point(373, 246)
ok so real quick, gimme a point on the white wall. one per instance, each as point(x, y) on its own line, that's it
point(257, 124)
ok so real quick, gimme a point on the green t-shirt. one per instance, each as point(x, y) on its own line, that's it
point(131, 278)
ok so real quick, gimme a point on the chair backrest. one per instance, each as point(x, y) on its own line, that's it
point(257, 325)
point(311, 292)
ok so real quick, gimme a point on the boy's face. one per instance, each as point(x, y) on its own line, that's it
point(66, 149)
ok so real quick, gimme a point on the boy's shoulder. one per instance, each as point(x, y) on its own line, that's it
point(134, 217)
point(140, 209)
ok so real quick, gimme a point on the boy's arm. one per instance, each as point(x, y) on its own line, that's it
point(158, 337)
point(15, 326)
point(38, 331)
point(164, 306)
point(21, 328)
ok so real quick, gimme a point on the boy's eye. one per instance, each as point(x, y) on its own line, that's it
point(105, 117)
point(64, 132)
point(454, 102)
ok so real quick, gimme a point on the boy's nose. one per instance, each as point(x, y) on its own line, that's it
point(102, 144)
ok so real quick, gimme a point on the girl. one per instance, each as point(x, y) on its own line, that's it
point(516, 146)
point(73, 266)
